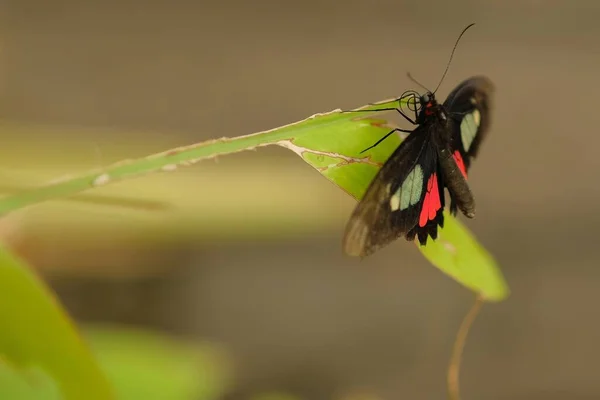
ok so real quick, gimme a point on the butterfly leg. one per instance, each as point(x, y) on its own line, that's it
point(377, 110)
point(385, 137)
point(399, 100)
point(407, 117)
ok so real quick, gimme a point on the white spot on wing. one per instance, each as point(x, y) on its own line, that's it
point(477, 117)
point(410, 192)
point(395, 202)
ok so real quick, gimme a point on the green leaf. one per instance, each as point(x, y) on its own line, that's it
point(140, 364)
point(274, 396)
point(147, 365)
point(329, 142)
point(340, 123)
point(38, 339)
point(456, 252)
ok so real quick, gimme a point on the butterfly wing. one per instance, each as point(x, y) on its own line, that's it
point(405, 198)
point(468, 107)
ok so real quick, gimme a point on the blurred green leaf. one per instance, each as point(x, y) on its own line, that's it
point(274, 396)
point(329, 142)
point(147, 365)
point(139, 364)
point(38, 339)
point(33, 384)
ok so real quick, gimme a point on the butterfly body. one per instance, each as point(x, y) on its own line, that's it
point(406, 197)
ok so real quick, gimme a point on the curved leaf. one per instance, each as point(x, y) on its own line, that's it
point(456, 252)
point(170, 160)
point(38, 339)
point(329, 142)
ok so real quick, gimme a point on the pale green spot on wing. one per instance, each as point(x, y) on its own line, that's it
point(412, 188)
point(468, 128)
point(410, 192)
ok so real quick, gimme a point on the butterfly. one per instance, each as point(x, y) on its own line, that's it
point(406, 197)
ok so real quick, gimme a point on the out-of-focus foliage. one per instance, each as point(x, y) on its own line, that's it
point(36, 335)
point(138, 364)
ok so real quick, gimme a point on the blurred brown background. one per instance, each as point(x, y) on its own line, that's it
point(296, 313)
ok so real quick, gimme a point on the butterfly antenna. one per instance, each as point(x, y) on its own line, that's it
point(452, 55)
point(416, 81)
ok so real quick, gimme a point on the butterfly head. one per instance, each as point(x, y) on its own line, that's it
point(430, 107)
point(426, 99)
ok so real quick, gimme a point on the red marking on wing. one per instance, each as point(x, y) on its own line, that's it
point(432, 202)
point(460, 162)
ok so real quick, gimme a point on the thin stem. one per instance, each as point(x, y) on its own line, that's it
point(457, 350)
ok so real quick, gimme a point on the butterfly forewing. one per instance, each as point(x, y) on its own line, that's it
point(468, 106)
point(407, 192)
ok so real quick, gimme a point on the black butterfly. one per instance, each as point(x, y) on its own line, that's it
point(406, 197)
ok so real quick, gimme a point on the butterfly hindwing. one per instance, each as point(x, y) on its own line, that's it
point(432, 208)
point(405, 198)
point(468, 106)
